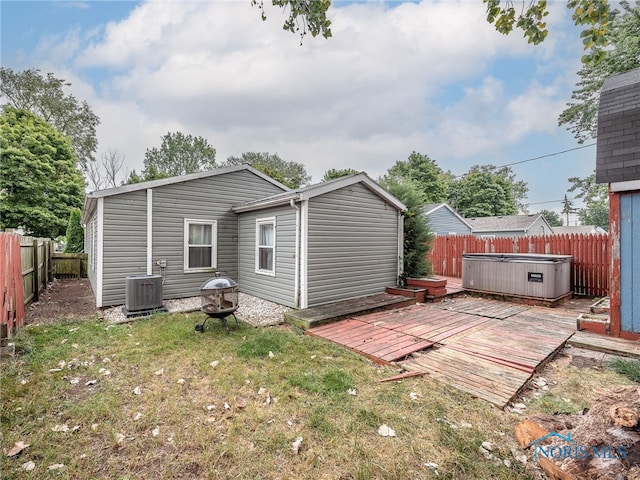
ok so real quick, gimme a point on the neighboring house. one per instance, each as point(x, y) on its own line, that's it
point(618, 164)
point(510, 226)
point(579, 230)
point(444, 220)
point(337, 240)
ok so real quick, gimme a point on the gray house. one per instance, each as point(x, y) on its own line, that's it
point(332, 241)
point(444, 220)
point(510, 226)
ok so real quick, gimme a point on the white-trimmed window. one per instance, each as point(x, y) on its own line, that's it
point(266, 246)
point(200, 245)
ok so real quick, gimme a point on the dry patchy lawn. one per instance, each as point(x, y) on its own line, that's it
point(153, 399)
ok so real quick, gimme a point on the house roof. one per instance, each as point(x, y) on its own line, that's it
point(90, 199)
point(432, 207)
point(578, 229)
point(305, 193)
point(505, 223)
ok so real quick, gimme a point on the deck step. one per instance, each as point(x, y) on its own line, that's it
point(332, 312)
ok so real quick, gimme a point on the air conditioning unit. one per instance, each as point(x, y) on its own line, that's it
point(143, 293)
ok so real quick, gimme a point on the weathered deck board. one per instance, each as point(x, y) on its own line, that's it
point(471, 306)
point(600, 343)
point(481, 378)
point(378, 343)
point(490, 353)
point(322, 314)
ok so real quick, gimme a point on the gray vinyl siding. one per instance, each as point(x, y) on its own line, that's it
point(209, 198)
point(352, 245)
point(538, 228)
point(443, 222)
point(125, 243)
point(281, 288)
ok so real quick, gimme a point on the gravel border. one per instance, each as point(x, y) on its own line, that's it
point(252, 310)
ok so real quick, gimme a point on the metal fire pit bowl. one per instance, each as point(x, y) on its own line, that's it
point(219, 299)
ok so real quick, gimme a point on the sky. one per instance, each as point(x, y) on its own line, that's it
point(432, 77)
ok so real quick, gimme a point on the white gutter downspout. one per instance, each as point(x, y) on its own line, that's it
point(400, 245)
point(149, 231)
point(100, 252)
point(304, 245)
point(296, 276)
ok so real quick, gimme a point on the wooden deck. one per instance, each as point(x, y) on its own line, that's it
point(323, 314)
point(484, 347)
point(601, 343)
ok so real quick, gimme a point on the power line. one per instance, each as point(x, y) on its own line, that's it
point(539, 157)
point(550, 201)
point(547, 155)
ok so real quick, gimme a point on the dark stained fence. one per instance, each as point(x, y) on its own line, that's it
point(11, 293)
point(589, 265)
point(69, 265)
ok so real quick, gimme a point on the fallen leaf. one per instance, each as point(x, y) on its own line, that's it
point(75, 345)
point(74, 381)
point(28, 466)
point(431, 465)
point(267, 400)
point(271, 355)
point(296, 445)
point(137, 417)
point(61, 364)
point(241, 402)
point(137, 390)
point(352, 391)
point(159, 372)
point(64, 340)
point(155, 432)
point(262, 391)
point(17, 448)
point(210, 407)
point(414, 396)
point(386, 431)
point(215, 363)
point(56, 466)
point(91, 382)
point(61, 428)
point(24, 381)
point(181, 381)
point(226, 406)
point(94, 426)
point(120, 438)
point(54, 370)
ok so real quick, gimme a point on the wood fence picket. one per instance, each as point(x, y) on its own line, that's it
point(589, 265)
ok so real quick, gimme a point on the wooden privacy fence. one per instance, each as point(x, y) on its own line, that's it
point(11, 293)
point(589, 265)
point(27, 265)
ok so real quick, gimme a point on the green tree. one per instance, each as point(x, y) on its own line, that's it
point(179, 154)
point(334, 173)
point(596, 199)
point(424, 173)
point(290, 174)
point(75, 233)
point(552, 218)
point(417, 235)
point(40, 182)
point(310, 16)
point(623, 54)
point(44, 96)
point(487, 191)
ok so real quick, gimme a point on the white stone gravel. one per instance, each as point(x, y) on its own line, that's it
point(252, 310)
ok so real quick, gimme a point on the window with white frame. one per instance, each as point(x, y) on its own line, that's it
point(266, 246)
point(200, 245)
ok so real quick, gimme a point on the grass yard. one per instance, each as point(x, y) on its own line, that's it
point(153, 399)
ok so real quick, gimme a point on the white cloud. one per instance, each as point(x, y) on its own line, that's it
point(380, 88)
